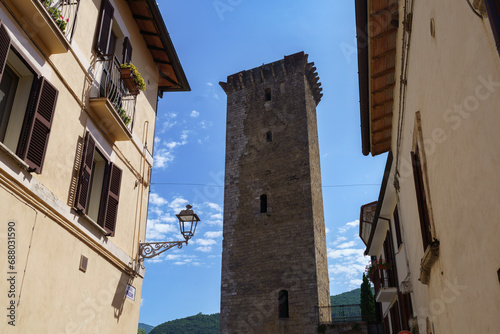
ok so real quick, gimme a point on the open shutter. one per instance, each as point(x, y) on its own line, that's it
point(127, 51)
point(105, 27)
point(82, 193)
point(37, 133)
point(5, 42)
point(112, 198)
point(425, 223)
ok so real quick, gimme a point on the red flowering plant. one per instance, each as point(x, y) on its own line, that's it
point(371, 269)
point(384, 264)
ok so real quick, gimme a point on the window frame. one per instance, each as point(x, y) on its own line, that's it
point(38, 116)
point(110, 191)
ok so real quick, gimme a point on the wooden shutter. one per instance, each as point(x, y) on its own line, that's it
point(421, 199)
point(112, 194)
point(104, 30)
point(36, 134)
point(83, 191)
point(127, 51)
point(5, 42)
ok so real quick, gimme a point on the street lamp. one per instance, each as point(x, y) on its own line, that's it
point(188, 220)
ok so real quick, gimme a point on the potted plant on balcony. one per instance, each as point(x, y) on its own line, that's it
point(56, 15)
point(132, 78)
point(371, 269)
point(123, 115)
point(384, 264)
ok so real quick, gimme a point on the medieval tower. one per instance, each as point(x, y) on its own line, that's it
point(274, 261)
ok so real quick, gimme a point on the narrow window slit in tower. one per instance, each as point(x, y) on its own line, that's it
point(283, 304)
point(263, 203)
point(269, 136)
point(268, 94)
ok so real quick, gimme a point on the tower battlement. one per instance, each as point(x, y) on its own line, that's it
point(276, 71)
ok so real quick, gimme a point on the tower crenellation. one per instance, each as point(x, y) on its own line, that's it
point(276, 72)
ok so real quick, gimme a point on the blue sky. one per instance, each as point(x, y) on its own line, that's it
point(215, 39)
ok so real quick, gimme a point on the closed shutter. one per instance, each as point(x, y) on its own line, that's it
point(37, 133)
point(112, 199)
point(127, 51)
point(83, 190)
point(105, 27)
point(5, 42)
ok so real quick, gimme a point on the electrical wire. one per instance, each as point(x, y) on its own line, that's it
point(218, 186)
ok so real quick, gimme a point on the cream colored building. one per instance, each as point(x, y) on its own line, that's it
point(75, 159)
point(429, 93)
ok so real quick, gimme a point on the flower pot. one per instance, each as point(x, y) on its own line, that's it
point(129, 80)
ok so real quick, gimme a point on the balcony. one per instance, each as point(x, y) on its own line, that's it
point(111, 103)
point(385, 286)
point(50, 21)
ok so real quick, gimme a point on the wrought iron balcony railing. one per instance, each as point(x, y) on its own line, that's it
point(109, 84)
point(64, 13)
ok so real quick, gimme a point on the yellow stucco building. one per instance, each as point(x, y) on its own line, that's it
point(429, 76)
point(76, 136)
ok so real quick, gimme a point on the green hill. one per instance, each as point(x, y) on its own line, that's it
point(196, 324)
point(209, 324)
point(147, 328)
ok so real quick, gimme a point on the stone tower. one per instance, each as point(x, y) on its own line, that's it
point(274, 261)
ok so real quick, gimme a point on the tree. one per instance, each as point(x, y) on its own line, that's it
point(141, 331)
point(367, 300)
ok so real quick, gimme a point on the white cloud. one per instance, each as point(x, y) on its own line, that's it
point(217, 216)
point(327, 230)
point(157, 140)
point(339, 240)
point(213, 234)
point(340, 253)
point(205, 242)
point(214, 206)
point(349, 226)
point(162, 158)
point(178, 204)
point(195, 113)
point(210, 84)
point(356, 283)
point(347, 244)
point(155, 199)
point(205, 249)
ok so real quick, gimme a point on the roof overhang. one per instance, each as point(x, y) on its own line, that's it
point(152, 28)
point(385, 205)
point(376, 28)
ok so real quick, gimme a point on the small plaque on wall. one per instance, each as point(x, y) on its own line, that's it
point(130, 292)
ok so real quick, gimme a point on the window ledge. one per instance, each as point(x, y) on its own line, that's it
point(14, 157)
point(430, 257)
point(41, 25)
point(109, 120)
point(94, 224)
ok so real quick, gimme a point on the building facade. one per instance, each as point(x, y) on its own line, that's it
point(76, 136)
point(274, 264)
point(429, 78)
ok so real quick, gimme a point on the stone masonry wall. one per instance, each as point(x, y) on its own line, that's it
point(283, 248)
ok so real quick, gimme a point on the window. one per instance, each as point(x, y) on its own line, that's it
point(98, 187)
point(283, 304)
point(263, 203)
point(397, 227)
point(109, 35)
point(269, 136)
point(268, 94)
point(423, 210)
point(27, 103)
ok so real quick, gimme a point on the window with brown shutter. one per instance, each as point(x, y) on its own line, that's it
point(423, 210)
point(98, 188)
point(104, 27)
point(127, 51)
point(25, 123)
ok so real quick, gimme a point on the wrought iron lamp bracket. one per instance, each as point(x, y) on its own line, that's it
point(148, 250)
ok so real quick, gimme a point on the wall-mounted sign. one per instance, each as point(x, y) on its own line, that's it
point(130, 292)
